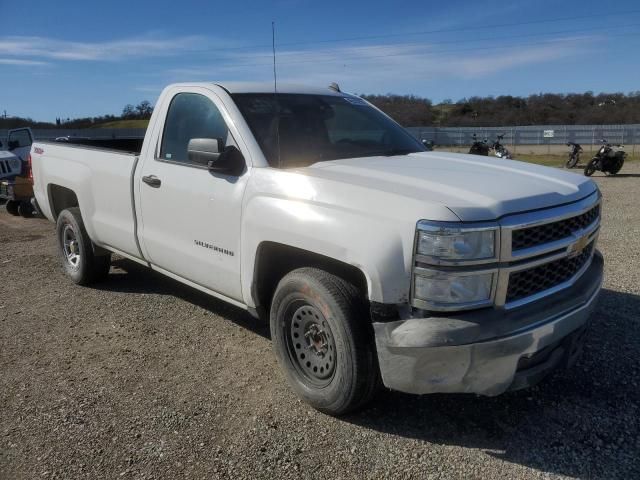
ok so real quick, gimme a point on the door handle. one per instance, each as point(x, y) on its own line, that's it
point(152, 181)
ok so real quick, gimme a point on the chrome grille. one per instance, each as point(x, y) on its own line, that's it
point(531, 281)
point(550, 232)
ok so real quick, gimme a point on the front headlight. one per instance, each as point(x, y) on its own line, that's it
point(447, 288)
point(449, 242)
point(455, 265)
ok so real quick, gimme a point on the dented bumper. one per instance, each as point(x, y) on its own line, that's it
point(488, 351)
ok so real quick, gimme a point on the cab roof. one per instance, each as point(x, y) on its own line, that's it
point(267, 87)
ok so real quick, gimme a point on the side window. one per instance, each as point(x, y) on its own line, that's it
point(19, 138)
point(190, 116)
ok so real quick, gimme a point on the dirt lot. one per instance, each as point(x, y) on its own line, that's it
point(141, 377)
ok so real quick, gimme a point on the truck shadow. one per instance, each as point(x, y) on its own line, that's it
point(129, 277)
point(582, 422)
point(620, 175)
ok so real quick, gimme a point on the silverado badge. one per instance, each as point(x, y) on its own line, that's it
point(576, 249)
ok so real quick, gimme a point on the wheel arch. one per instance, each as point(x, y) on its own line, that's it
point(274, 260)
point(61, 198)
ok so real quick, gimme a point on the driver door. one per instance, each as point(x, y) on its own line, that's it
point(190, 217)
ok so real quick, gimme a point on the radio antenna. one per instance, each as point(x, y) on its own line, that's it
point(275, 89)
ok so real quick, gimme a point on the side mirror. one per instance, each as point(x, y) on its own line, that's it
point(230, 162)
point(203, 151)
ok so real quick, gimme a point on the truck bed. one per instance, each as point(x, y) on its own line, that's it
point(102, 180)
point(126, 144)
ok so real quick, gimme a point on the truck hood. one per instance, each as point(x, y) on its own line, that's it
point(474, 188)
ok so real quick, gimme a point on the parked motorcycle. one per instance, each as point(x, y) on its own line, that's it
point(609, 159)
point(479, 147)
point(574, 154)
point(428, 144)
point(500, 150)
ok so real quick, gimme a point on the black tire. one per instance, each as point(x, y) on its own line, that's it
point(318, 322)
point(25, 210)
point(76, 250)
point(616, 167)
point(572, 162)
point(591, 167)
point(12, 207)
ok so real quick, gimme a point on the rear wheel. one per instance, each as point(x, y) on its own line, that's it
point(12, 207)
point(322, 342)
point(25, 210)
point(591, 167)
point(77, 251)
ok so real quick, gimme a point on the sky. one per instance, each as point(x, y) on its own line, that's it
point(85, 58)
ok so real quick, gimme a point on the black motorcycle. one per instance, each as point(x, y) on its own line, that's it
point(479, 147)
point(574, 154)
point(428, 145)
point(609, 159)
point(500, 150)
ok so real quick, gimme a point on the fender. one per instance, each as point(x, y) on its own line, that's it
point(298, 210)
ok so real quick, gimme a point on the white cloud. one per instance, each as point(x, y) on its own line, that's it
point(49, 48)
point(386, 63)
point(21, 62)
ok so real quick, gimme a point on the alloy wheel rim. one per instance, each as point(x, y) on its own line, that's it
point(71, 247)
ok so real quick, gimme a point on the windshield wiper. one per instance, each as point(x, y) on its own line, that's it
point(399, 151)
point(389, 152)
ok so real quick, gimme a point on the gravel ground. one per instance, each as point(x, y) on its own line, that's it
point(141, 377)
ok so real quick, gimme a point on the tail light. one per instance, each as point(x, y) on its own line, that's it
point(29, 169)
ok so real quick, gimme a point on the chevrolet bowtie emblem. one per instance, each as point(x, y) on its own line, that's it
point(579, 246)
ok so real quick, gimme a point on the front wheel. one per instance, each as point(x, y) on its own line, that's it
point(572, 162)
point(76, 250)
point(320, 337)
point(591, 167)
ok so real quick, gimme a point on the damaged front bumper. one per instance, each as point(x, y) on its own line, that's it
point(488, 351)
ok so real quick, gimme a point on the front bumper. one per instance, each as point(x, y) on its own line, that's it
point(488, 351)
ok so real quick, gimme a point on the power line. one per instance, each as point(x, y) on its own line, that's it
point(471, 40)
point(429, 44)
point(426, 54)
point(417, 33)
point(463, 29)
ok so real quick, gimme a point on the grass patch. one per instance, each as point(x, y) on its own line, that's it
point(550, 160)
point(560, 160)
point(124, 124)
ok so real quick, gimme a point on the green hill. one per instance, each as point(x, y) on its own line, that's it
point(124, 124)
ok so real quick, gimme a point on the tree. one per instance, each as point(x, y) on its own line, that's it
point(129, 111)
point(144, 109)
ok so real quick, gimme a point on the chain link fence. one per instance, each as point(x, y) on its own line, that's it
point(588, 136)
point(537, 139)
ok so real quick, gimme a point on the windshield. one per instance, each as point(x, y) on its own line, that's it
point(316, 128)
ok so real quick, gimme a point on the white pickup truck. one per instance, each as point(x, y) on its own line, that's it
point(374, 261)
